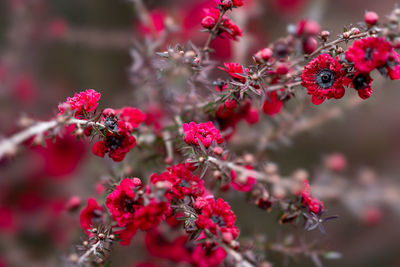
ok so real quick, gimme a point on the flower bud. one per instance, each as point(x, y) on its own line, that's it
point(309, 45)
point(218, 150)
point(208, 22)
point(325, 35)
point(371, 18)
point(282, 69)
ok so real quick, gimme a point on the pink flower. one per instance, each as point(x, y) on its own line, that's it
point(86, 101)
point(309, 201)
point(90, 214)
point(227, 28)
point(244, 184)
point(233, 69)
point(206, 133)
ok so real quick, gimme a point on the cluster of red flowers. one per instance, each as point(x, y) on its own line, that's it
point(118, 138)
point(208, 254)
point(86, 101)
point(217, 217)
point(273, 103)
point(314, 204)
point(179, 181)
point(132, 206)
point(226, 28)
point(177, 250)
point(325, 76)
point(206, 133)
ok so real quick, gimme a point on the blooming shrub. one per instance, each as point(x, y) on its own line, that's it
point(190, 147)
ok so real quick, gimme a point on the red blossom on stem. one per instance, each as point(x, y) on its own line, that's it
point(181, 182)
point(208, 255)
point(89, 214)
point(206, 133)
point(242, 183)
point(314, 204)
point(323, 78)
point(86, 101)
point(217, 217)
point(116, 145)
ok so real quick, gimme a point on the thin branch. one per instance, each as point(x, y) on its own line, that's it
point(9, 145)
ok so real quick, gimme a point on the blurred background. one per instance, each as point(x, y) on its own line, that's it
point(51, 49)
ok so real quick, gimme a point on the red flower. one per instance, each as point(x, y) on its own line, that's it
point(362, 83)
point(229, 3)
point(323, 78)
point(314, 204)
point(230, 30)
point(159, 246)
point(181, 180)
point(242, 183)
point(7, 220)
point(127, 233)
point(226, 28)
point(132, 116)
point(123, 202)
point(217, 217)
point(369, 53)
point(206, 133)
point(90, 214)
point(86, 101)
point(117, 145)
point(233, 69)
point(210, 18)
point(208, 255)
point(127, 206)
point(151, 215)
point(273, 104)
point(307, 27)
point(155, 25)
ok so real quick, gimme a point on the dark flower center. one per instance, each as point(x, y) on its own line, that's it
point(113, 142)
point(218, 220)
point(368, 53)
point(281, 50)
point(127, 205)
point(360, 82)
point(184, 183)
point(111, 123)
point(325, 78)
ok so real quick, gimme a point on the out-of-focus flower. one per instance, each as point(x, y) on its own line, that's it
point(314, 204)
point(208, 255)
point(242, 183)
point(273, 104)
point(92, 212)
